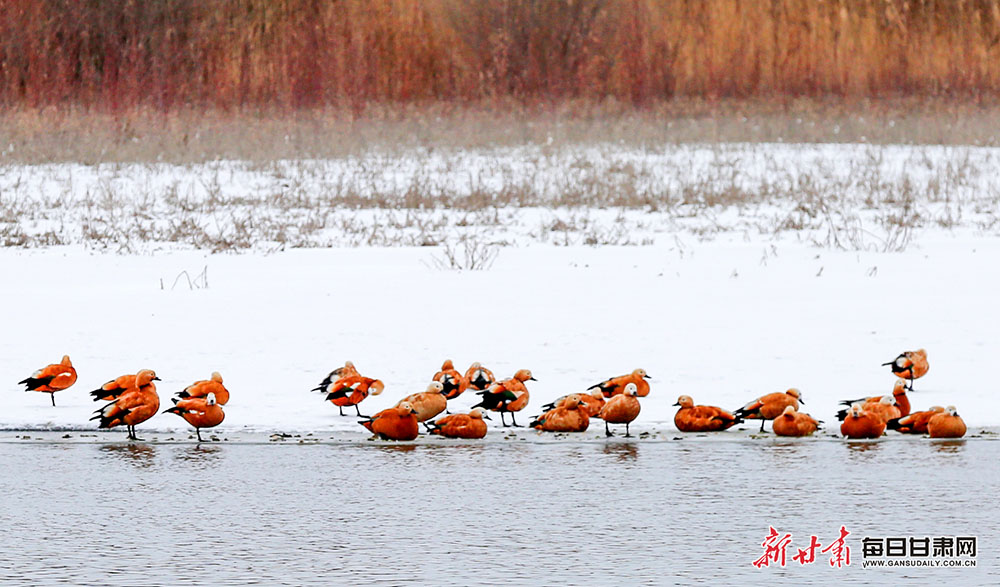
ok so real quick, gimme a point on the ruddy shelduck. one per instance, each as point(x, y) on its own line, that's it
point(571, 417)
point(861, 424)
point(427, 404)
point(915, 423)
point(134, 406)
point(211, 385)
point(898, 393)
point(352, 390)
point(398, 423)
point(200, 412)
point(947, 424)
point(593, 400)
point(692, 418)
point(885, 408)
point(114, 388)
point(454, 382)
point(508, 396)
point(348, 370)
point(621, 409)
point(469, 425)
point(51, 378)
point(793, 423)
point(770, 406)
point(480, 378)
point(616, 385)
point(910, 365)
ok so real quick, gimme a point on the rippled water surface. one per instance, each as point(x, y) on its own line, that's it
point(522, 512)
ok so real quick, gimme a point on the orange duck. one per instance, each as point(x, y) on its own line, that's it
point(469, 425)
point(427, 404)
point(692, 418)
point(770, 406)
point(593, 401)
point(51, 378)
point(480, 378)
point(571, 417)
point(860, 424)
point(947, 424)
point(200, 412)
point(616, 385)
point(621, 409)
point(347, 370)
point(203, 388)
point(898, 393)
point(508, 396)
point(132, 407)
point(398, 423)
point(794, 423)
point(910, 365)
point(114, 388)
point(352, 390)
point(885, 408)
point(454, 382)
point(915, 423)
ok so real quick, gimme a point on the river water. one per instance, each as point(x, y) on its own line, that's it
point(653, 512)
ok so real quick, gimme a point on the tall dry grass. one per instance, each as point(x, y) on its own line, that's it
point(167, 54)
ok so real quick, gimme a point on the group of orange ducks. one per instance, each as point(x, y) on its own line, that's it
point(132, 399)
point(864, 418)
point(614, 401)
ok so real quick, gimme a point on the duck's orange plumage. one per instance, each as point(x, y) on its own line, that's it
point(398, 423)
point(898, 393)
point(616, 385)
point(885, 408)
point(51, 378)
point(114, 388)
point(469, 425)
point(910, 365)
point(593, 402)
point(427, 404)
point(348, 370)
point(480, 378)
point(508, 396)
point(692, 418)
point(947, 424)
point(203, 388)
point(132, 407)
point(793, 423)
point(352, 390)
point(860, 424)
point(915, 423)
point(621, 409)
point(571, 417)
point(770, 406)
point(454, 382)
point(200, 412)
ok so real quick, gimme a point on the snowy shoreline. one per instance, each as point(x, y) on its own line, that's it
point(723, 321)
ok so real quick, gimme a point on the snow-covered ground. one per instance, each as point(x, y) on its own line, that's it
point(724, 321)
point(725, 271)
point(858, 197)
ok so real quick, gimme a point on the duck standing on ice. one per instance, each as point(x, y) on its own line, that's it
point(132, 406)
point(910, 365)
point(51, 378)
